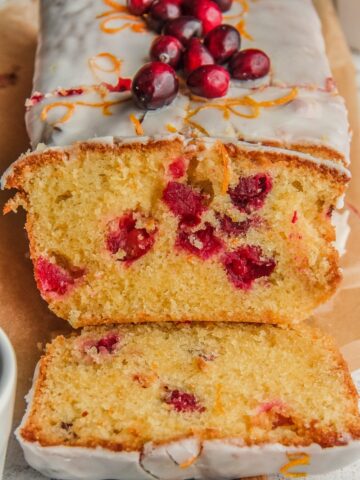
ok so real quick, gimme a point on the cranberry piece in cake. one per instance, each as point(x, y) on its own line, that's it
point(166, 49)
point(184, 202)
point(246, 264)
point(196, 55)
point(138, 7)
point(92, 349)
point(250, 192)
point(224, 5)
point(202, 243)
point(53, 278)
point(222, 42)
point(208, 13)
point(209, 81)
point(108, 343)
point(125, 237)
point(277, 412)
point(160, 12)
point(183, 402)
point(177, 168)
point(155, 85)
point(230, 227)
point(249, 64)
point(183, 28)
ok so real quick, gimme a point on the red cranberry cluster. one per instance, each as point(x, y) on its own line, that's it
point(192, 38)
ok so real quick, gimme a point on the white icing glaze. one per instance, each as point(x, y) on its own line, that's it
point(313, 118)
point(209, 460)
point(290, 33)
point(340, 221)
point(65, 47)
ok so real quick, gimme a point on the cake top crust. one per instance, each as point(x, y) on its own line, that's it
point(80, 60)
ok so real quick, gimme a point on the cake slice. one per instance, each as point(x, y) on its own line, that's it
point(202, 401)
point(179, 230)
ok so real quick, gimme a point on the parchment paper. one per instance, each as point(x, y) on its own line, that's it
point(25, 317)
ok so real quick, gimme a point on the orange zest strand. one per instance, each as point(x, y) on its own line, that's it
point(280, 101)
point(228, 105)
point(70, 111)
point(105, 106)
point(189, 462)
point(170, 128)
point(218, 407)
point(244, 9)
point(138, 127)
point(119, 12)
point(295, 460)
point(241, 28)
point(197, 127)
point(115, 5)
point(226, 171)
point(114, 68)
point(241, 25)
point(136, 24)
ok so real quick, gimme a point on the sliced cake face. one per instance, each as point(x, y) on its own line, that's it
point(122, 387)
point(180, 231)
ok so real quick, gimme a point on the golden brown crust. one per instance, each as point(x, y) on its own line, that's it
point(30, 162)
point(306, 434)
point(319, 151)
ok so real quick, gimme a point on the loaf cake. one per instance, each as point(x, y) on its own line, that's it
point(207, 208)
point(169, 230)
point(195, 400)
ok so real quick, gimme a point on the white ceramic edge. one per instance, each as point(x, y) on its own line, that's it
point(213, 459)
point(8, 373)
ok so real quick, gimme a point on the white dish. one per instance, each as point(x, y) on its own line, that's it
point(7, 393)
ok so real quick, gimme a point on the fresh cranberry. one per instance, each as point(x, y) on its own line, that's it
point(196, 55)
point(184, 202)
point(249, 64)
point(53, 278)
point(155, 85)
point(230, 227)
point(183, 28)
point(209, 81)
point(177, 168)
point(250, 192)
point(208, 13)
point(123, 85)
point(124, 235)
point(166, 49)
point(107, 343)
point(222, 42)
point(183, 402)
point(246, 264)
point(202, 243)
point(138, 7)
point(224, 5)
point(160, 12)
